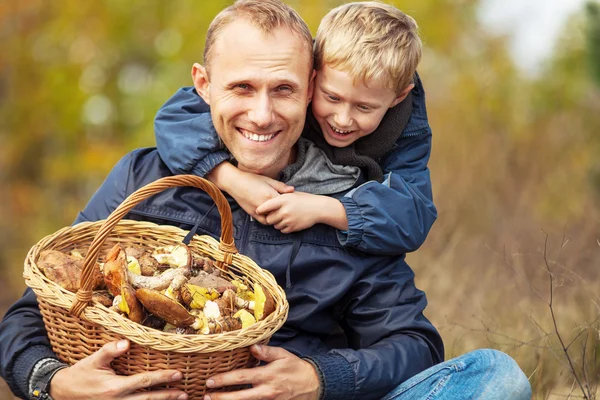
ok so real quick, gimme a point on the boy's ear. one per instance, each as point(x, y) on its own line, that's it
point(201, 82)
point(403, 94)
point(311, 87)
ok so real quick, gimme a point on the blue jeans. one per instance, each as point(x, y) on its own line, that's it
point(481, 374)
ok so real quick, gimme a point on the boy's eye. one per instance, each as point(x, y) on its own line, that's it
point(364, 108)
point(333, 98)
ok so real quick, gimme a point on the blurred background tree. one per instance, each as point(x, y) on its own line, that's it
point(514, 154)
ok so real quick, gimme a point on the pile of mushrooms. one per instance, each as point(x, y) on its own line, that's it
point(169, 288)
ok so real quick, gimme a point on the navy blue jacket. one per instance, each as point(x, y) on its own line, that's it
point(358, 317)
point(390, 218)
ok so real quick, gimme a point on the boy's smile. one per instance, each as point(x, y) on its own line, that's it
point(347, 110)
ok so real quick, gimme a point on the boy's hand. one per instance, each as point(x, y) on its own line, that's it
point(285, 377)
point(93, 378)
point(249, 190)
point(292, 212)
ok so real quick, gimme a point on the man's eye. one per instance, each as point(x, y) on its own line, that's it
point(242, 86)
point(284, 89)
point(333, 98)
point(362, 107)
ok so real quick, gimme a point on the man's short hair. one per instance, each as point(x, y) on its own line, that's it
point(370, 41)
point(266, 15)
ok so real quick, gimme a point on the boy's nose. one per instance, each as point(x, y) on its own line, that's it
point(342, 119)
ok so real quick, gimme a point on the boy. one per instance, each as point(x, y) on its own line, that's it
point(366, 56)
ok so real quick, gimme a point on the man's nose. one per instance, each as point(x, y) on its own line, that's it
point(261, 112)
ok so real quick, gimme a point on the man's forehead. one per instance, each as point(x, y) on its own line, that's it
point(246, 41)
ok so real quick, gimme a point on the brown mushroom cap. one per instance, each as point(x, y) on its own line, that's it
point(65, 269)
point(164, 307)
point(211, 281)
point(103, 297)
point(115, 270)
point(135, 251)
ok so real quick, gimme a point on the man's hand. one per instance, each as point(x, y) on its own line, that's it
point(285, 377)
point(293, 212)
point(93, 378)
point(249, 190)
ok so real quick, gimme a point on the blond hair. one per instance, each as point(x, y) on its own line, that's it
point(266, 15)
point(370, 41)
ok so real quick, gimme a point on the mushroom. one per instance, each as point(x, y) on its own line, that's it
point(164, 307)
point(195, 296)
point(135, 251)
point(115, 270)
point(103, 297)
point(158, 282)
point(65, 269)
point(245, 318)
point(176, 255)
point(227, 302)
point(263, 303)
point(148, 265)
point(211, 281)
point(132, 306)
point(224, 324)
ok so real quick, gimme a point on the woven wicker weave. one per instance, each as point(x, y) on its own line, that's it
point(77, 327)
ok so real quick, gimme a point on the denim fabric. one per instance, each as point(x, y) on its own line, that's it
point(481, 374)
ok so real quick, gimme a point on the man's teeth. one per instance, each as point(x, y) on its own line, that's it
point(341, 132)
point(257, 138)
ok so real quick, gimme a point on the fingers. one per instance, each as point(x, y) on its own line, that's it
point(269, 353)
point(256, 393)
point(260, 218)
point(151, 378)
point(244, 376)
point(159, 395)
point(280, 186)
point(269, 206)
point(107, 353)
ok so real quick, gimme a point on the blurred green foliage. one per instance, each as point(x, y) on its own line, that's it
point(80, 83)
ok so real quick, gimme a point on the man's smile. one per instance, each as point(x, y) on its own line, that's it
point(256, 137)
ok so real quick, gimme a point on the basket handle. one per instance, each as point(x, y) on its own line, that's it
point(226, 244)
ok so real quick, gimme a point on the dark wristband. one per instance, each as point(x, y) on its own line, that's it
point(319, 375)
point(42, 377)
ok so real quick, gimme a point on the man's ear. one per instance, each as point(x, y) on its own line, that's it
point(403, 94)
point(201, 82)
point(311, 87)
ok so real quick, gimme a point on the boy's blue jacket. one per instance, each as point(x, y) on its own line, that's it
point(358, 317)
point(390, 218)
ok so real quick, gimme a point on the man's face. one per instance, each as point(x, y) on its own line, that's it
point(258, 91)
point(348, 110)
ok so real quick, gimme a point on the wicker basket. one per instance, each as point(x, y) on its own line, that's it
point(77, 327)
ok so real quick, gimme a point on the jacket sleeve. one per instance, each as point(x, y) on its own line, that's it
point(389, 338)
point(185, 136)
point(394, 217)
point(23, 337)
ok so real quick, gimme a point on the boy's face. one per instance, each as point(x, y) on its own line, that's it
point(347, 111)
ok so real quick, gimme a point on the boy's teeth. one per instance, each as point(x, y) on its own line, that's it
point(257, 138)
point(336, 130)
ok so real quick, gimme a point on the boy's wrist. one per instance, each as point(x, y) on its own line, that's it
point(333, 213)
point(222, 175)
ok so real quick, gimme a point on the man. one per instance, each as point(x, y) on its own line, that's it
point(355, 327)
